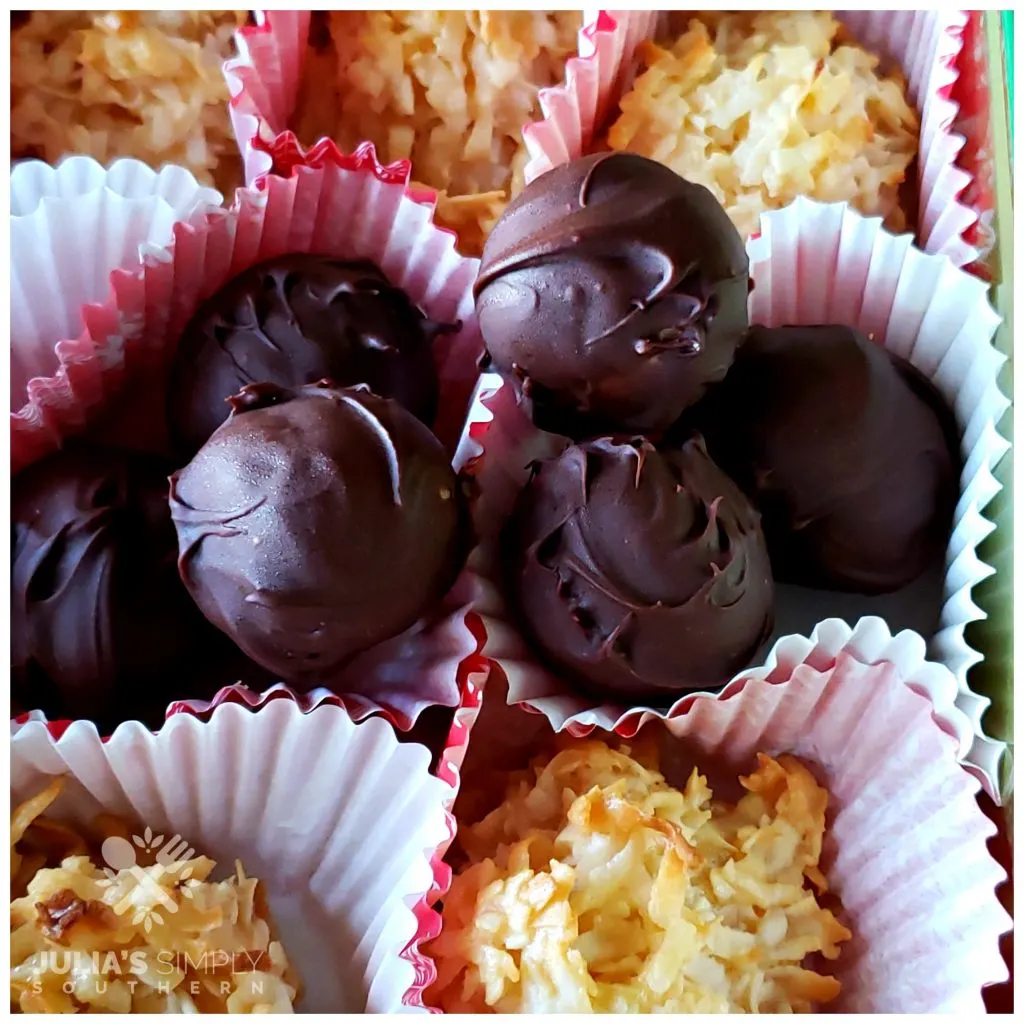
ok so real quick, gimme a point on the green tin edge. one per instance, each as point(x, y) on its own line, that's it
point(1006, 24)
point(993, 635)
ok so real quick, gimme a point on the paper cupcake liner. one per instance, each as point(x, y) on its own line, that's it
point(54, 212)
point(924, 44)
point(972, 92)
point(992, 633)
point(56, 729)
point(594, 81)
point(906, 851)
point(264, 81)
point(473, 674)
point(814, 264)
point(347, 205)
point(983, 110)
point(341, 822)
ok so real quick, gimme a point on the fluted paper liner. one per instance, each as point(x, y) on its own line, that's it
point(349, 206)
point(341, 822)
point(473, 674)
point(923, 44)
point(71, 225)
point(265, 78)
point(812, 264)
point(264, 82)
point(906, 851)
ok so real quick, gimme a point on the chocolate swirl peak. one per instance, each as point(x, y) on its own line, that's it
point(611, 293)
point(640, 573)
point(294, 320)
point(316, 523)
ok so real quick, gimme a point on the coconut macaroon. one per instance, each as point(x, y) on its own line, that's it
point(598, 887)
point(763, 108)
point(134, 924)
point(143, 84)
point(448, 90)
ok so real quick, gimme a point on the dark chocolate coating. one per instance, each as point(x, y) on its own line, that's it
point(101, 627)
point(640, 573)
point(316, 523)
point(611, 293)
point(296, 320)
point(848, 452)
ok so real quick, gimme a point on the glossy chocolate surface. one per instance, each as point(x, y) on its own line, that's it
point(295, 320)
point(101, 627)
point(640, 573)
point(848, 452)
point(612, 293)
point(316, 523)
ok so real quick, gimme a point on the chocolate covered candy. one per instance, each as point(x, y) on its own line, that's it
point(101, 627)
point(612, 293)
point(639, 573)
point(848, 452)
point(316, 523)
point(295, 320)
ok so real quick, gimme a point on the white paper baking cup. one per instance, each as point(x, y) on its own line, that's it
point(813, 264)
point(341, 822)
point(71, 226)
point(906, 850)
point(923, 44)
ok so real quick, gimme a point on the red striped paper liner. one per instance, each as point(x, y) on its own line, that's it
point(906, 851)
point(263, 81)
point(345, 205)
point(971, 94)
point(386, 220)
point(473, 674)
point(118, 208)
point(274, 787)
point(265, 77)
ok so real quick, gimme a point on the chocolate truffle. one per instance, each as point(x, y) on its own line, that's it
point(101, 627)
point(295, 320)
point(640, 573)
point(848, 452)
point(612, 292)
point(316, 523)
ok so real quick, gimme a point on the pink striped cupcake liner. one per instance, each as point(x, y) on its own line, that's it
point(473, 674)
point(906, 849)
point(346, 205)
point(344, 825)
point(125, 208)
point(924, 44)
point(42, 745)
point(263, 81)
